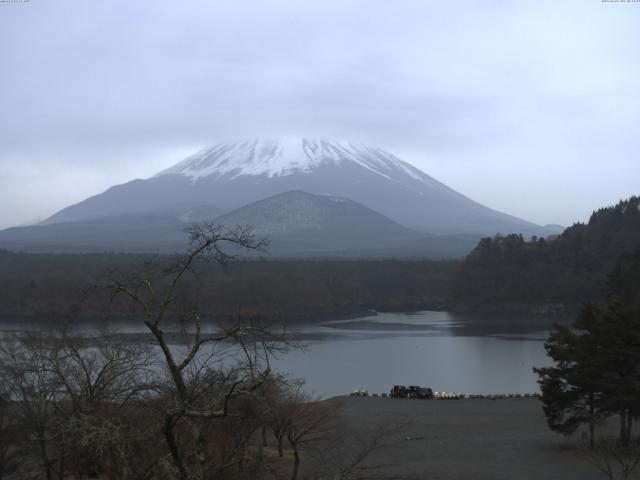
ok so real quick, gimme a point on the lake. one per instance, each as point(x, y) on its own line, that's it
point(470, 353)
point(473, 354)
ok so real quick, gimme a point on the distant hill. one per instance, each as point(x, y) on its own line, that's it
point(297, 223)
point(570, 267)
point(118, 233)
point(297, 211)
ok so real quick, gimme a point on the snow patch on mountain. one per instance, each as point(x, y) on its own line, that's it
point(288, 156)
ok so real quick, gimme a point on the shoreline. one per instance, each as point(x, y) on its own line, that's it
point(532, 311)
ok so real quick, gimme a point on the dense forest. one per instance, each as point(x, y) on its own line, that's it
point(538, 274)
point(37, 284)
point(564, 269)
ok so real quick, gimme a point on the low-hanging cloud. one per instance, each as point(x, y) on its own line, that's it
point(529, 107)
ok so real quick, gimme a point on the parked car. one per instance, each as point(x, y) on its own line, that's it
point(399, 391)
point(412, 391)
point(416, 391)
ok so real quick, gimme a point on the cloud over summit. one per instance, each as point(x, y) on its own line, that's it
point(535, 100)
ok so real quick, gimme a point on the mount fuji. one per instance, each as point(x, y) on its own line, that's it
point(217, 181)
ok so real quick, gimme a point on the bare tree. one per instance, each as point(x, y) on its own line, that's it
point(309, 419)
point(94, 405)
point(34, 391)
point(9, 460)
point(345, 456)
point(213, 368)
point(275, 411)
point(615, 460)
point(101, 378)
point(68, 395)
point(97, 370)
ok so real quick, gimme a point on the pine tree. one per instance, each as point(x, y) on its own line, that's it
point(571, 391)
point(597, 360)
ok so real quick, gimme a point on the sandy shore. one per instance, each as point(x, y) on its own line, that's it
point(467, 439)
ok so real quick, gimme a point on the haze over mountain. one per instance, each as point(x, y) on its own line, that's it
point(231, 175)
point(311, 197)
point(139, 233)
point(297, 224)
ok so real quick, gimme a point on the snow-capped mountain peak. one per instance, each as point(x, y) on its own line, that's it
point(275, 158)
point(228, 176)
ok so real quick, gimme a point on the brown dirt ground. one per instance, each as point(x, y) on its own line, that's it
point(467, 439)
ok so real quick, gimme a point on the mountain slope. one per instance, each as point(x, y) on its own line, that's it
point(298, 224)
point(119, 233)
point(231, 175)
point(297, 211)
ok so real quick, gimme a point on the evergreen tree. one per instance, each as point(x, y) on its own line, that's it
point(597, 360)
point(621, 337)
point(571, 390)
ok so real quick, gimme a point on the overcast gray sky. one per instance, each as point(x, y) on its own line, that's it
point(530, 107)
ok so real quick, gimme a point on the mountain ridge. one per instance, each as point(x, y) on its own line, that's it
point(297, 223)
point(235, 174)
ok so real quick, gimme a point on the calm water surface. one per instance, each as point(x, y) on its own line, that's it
point(471, 353)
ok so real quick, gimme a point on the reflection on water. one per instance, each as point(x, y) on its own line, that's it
point(470, 353)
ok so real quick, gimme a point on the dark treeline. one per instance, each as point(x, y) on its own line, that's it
point(566, 269)
point(42, 283)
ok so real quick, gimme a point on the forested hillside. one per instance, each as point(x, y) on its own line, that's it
point(568, 268)
point(36, 284)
